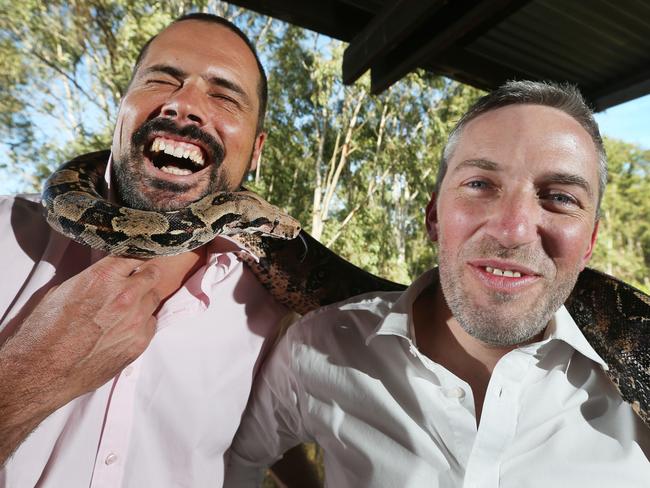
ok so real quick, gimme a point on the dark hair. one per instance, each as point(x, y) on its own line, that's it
point(262, 87)
point(563, 97)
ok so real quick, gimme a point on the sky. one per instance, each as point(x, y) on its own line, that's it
point(628, 121)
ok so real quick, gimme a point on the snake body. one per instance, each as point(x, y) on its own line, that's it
point(75, 208)
point(303, 274)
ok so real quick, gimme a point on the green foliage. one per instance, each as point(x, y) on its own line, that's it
point(623, 248)
point(356, 169)
point(63, 68)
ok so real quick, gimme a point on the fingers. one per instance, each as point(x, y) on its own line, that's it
point(151, 300)
point(119, 265)
point(138, 273)
point(117, 284)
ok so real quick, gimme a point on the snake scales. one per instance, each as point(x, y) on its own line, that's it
point(304, 274)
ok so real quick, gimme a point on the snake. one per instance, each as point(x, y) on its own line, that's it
point(303, 274)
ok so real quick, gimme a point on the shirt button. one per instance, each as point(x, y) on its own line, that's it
point(456, 392)
point(110, 459)
point(128, 370)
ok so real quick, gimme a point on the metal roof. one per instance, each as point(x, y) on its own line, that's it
point(603, 46)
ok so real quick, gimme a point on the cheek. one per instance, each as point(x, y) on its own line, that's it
point(460, 221)
point(234, 132)
point(568, 243)
point(239, 139)
point(125, 126)
point(135, 110)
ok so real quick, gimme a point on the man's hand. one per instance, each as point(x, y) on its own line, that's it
point(80, 335)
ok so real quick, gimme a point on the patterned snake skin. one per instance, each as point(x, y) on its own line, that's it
point(304, 274)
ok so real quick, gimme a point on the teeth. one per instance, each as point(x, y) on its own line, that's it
point(172, 170)
point(178, 150)
point(501, 272)
point(197, 158)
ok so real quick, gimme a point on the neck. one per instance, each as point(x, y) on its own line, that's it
point(440, 337)
point(177, 269)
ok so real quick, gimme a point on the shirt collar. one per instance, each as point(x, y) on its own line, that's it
point(220, 252)
point(399, 320)
point(563, 328)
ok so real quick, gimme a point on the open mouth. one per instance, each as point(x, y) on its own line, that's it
point(176, 157)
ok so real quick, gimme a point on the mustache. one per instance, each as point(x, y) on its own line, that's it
point(526, 256)
point(216, 150)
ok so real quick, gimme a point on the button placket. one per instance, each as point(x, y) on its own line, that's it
point(498, 420)
point(110, 459)
point(114, 442)
point(455, 392)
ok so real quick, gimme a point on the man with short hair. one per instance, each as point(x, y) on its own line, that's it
point(476, 375)
point(124, 372)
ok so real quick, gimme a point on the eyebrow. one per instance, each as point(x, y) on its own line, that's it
point(485, 164)
point(217, 81)
point(221, 82)
point(167, 69)
point(569, 179)
point(557, 177)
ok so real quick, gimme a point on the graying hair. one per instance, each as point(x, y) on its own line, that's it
point(563, 97)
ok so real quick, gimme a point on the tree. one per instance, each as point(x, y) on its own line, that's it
point(356, 169)
point(64, 67)
point(624, 240)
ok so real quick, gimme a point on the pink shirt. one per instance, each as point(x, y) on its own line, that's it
point(166, 419)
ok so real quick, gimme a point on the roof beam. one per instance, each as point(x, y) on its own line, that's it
point(390, 69)
point(475, 70)
point(330, 17)
point(623, 90)
point(368, 5)
point(388, 28)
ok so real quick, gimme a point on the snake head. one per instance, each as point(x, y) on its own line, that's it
point(262, 217)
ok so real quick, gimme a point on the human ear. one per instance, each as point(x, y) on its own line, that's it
point(431, 220)
point(257, 150)
point(592, 244)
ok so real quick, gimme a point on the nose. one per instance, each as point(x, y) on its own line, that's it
point(185, 106)
point(514, 220)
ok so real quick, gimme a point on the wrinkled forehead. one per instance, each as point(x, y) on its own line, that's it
point(203, 47)
point(528, 135)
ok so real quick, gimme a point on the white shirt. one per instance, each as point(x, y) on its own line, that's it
point(169, 417)
point(350, 378)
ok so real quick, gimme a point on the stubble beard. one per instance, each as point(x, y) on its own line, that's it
point(502, 322)
point(143, 192)
point(138, 190)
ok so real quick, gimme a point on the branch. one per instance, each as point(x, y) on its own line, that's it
point(372, 188)
point(345, 152)
point(260, 36)
point(65, 75)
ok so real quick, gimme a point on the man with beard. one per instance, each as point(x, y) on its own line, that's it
point(476, 375)
point(129, 372)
